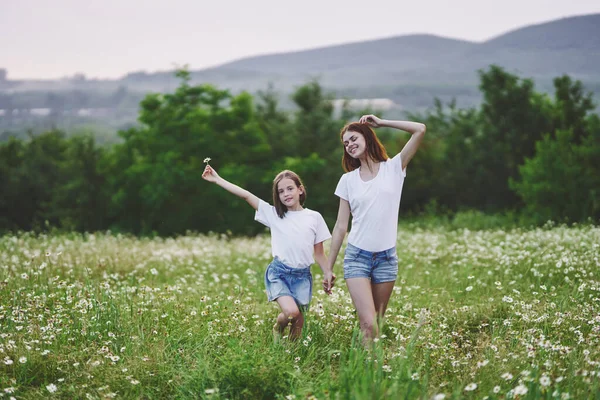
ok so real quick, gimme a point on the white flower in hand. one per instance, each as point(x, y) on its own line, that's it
point(206, 160)
point(209, 174)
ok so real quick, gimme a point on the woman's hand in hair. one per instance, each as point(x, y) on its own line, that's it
point(371, 120)
point(210, 174)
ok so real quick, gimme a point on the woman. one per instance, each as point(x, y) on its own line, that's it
point(370, 190)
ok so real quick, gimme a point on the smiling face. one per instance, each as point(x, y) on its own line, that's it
point(360, 144)
point(289, 193)
point(354, 143)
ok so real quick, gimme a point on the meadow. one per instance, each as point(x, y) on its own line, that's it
point(475, 314)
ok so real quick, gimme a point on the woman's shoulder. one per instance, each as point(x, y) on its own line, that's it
point(392, 162)
point(349, 174)
point(396, 158)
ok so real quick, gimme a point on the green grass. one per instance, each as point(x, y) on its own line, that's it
point(498, 311)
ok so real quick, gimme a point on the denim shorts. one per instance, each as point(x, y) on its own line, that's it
point(282, 280)
point(379, 266)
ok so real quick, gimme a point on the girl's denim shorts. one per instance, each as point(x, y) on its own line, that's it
point(379, 266)
point(282, 280)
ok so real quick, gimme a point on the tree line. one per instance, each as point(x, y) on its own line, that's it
point(520, 151)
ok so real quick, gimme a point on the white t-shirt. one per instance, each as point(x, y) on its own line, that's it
point(374, 205)
point(294, 236)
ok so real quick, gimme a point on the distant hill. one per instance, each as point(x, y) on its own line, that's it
point(411, 70)
point(581, 32)
point(566, 46)
point(569, 45)
point(411, 51)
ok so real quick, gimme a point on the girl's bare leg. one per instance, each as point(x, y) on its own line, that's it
point(290, 315)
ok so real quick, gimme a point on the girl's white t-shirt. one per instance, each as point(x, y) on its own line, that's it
point(294, 236)
point(374, 205)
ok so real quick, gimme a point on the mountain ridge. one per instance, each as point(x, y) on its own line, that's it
point(569, 45)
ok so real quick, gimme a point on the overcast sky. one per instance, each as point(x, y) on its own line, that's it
point(108, 38)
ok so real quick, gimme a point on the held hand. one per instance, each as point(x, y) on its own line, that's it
point(328, 281)
point(210, 174)
point(371, 120)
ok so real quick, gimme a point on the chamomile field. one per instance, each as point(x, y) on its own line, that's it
point(496, 314)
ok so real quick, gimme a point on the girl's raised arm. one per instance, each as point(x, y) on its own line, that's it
point(211, 175)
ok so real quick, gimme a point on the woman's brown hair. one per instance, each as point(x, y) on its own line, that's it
point(279, 206)
point(374, 148)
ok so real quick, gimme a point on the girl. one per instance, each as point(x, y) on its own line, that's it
point(371, 191)
point(296, 234)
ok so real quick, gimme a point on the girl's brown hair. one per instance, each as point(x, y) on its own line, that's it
point(279, 206)
point(375, 149)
